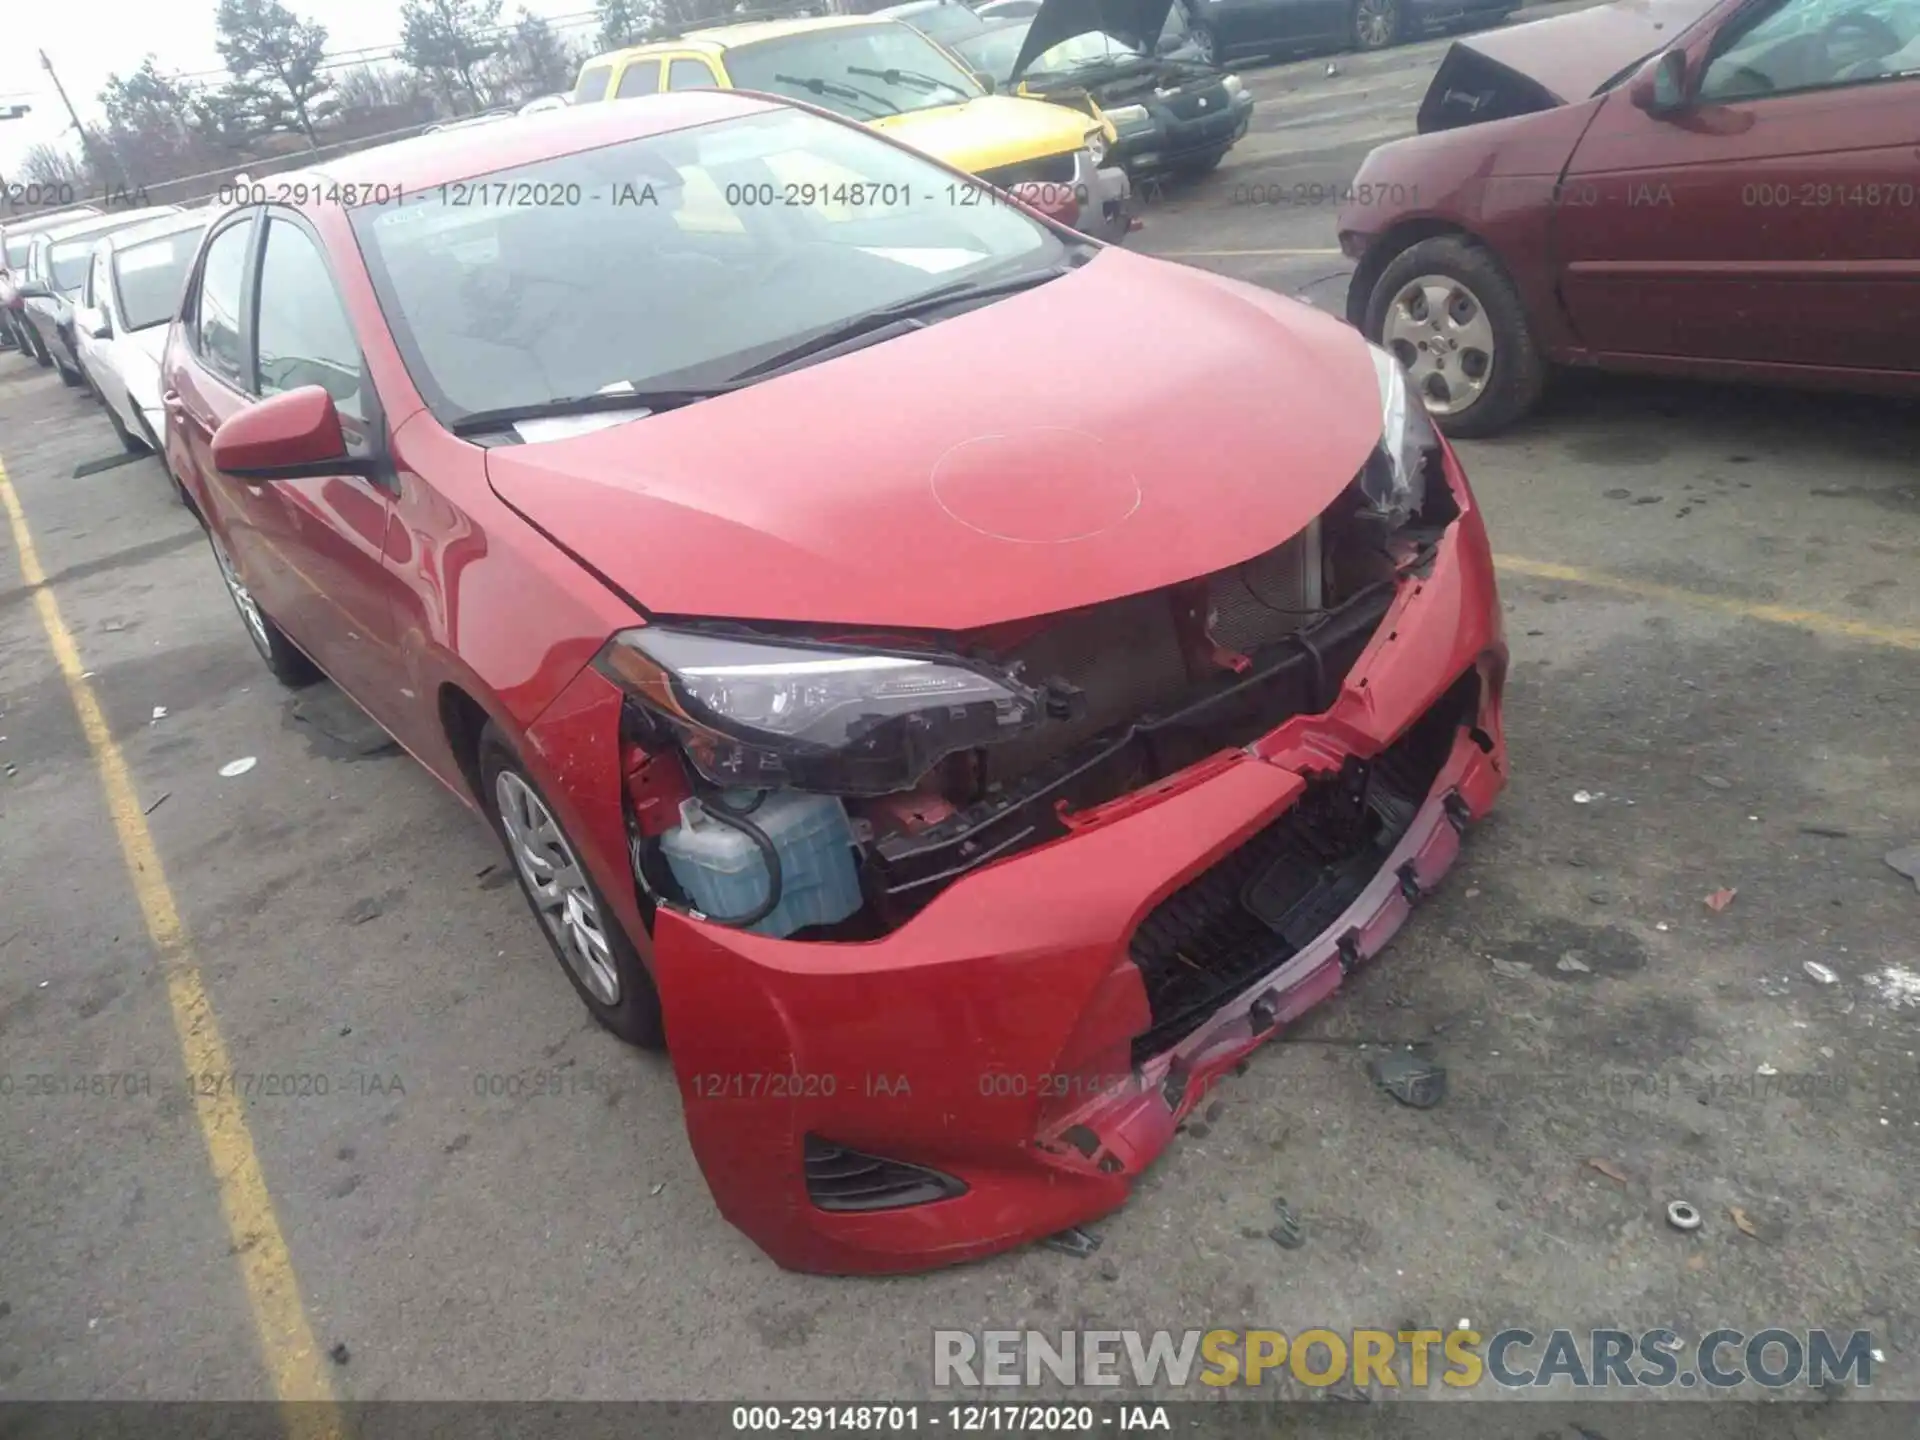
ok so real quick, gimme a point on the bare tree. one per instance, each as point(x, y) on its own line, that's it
point(275, 58)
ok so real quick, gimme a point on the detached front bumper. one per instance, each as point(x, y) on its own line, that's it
point(1106, 211)
point(997, 1070)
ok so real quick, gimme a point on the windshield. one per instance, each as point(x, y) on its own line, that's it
point(673, 260)
point(946, 23)
point(864, 72)
point(150, 276)
point(996, 51)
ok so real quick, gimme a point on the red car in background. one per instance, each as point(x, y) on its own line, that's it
point(957, 764)
point(1664, 186)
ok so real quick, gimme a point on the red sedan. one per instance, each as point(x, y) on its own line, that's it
point(957, 758)
point(1678, 187)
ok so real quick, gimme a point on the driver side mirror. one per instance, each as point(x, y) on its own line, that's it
point(1661, 88)
point(294, 435)
point(985, 81)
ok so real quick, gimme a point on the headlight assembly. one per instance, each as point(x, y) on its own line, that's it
point(767, 714)
point(1231, 84)
point(1394, 481)
point(1126, 116)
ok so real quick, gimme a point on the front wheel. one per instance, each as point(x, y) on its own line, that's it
point(1376, 24)
point(1207, 43)
point(289, 665)
point(1453, 317)
point(605, 970)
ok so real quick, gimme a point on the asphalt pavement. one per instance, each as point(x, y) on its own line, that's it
point(1716, 643)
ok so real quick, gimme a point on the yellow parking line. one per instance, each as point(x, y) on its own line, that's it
point(293, 1359)
point(1816, 621)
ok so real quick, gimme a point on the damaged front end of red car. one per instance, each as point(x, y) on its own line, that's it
point(1091, 860)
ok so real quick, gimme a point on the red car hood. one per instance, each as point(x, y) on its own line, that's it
point(1131, 425)
point(1549, 62)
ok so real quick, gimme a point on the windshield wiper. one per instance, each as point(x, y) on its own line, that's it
point(817, 86)
point(910, 313)
point(907, 77)
point(486, 422)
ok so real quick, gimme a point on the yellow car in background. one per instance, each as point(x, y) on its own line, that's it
point(891, 77)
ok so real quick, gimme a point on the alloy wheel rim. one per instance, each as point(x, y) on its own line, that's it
point(1375, 25)
point(243, 601)
point(558, 886)
point(1439, 331)
point(1203, 38)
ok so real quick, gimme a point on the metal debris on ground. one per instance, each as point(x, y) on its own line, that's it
point(1286, 1232)
point(1743, 1221)
point(1721, 899)
point(159, 802)
point(1682, 1216)
point(1075, 1242)
point(159, 712)
point(1411, 1079)
point(658, 1188)
point(1820, 974)
point(1606, 1168)
point(1907, 862)
point(237, 767)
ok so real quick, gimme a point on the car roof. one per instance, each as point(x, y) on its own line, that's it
point(716, 39)
point(34, 224)
point(448, 156)
point(155, 229)
point(101, 224)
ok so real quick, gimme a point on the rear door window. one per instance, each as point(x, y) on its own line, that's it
point(690, 74)
point(592, 84)
point(642, 77)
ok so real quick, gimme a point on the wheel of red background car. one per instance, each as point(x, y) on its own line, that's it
point(580, 926)
point(1448, 310)
point(1376, 24)
point(285, 659)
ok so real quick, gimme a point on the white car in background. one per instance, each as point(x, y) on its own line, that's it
point(547, 102)
point(131, 295)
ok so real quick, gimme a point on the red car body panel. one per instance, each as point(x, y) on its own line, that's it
point(1021, 970)
point(1061, 505)
point(1730, 240)
point(424, 592)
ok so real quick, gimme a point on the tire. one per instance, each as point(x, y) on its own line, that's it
point(1206, 42)
point(129, 442)
point(72, 379)
point(1515, 373)
point(604, 968)
point(39, 348)
point(289, 664)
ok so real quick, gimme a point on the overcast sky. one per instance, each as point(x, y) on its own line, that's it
point(88, 40)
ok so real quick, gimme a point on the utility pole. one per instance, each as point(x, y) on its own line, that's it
point(86, 141)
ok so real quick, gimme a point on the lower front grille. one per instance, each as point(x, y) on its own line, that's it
point(1049, 170)
point(1270, 898)
point(843, 1179)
